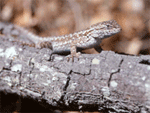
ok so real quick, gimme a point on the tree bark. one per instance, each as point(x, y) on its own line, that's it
point(96, 82)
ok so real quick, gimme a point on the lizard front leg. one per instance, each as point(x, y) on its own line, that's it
point(74, 52)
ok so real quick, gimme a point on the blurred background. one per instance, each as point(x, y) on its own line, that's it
point(59, 17)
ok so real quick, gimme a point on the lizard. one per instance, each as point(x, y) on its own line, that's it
point(84, 39)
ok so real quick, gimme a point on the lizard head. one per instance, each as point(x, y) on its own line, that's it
point(105, 29)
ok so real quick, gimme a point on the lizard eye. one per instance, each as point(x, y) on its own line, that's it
point(108, 25)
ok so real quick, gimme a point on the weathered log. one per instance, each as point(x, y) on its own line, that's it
point(96, 82)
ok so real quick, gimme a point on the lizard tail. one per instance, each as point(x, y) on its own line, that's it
point(27, 38)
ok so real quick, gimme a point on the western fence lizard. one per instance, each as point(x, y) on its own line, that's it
point(88, 38)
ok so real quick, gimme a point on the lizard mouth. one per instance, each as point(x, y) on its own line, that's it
point(111, 32)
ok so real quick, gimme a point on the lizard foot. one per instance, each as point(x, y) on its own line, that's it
point(72, 56)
